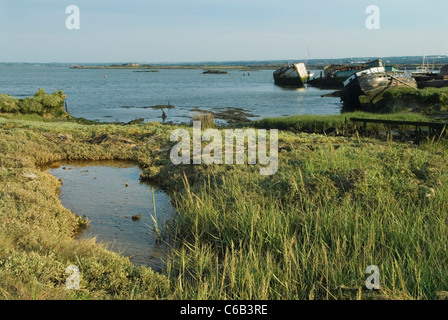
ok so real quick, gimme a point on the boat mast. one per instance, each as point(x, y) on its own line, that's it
point(307, 52)
point(425, 67)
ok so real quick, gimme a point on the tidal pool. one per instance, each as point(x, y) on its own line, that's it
point(110, 194)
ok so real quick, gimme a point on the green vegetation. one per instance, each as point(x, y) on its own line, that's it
point(427, 100)
point(41, 104)
point(37, 233)
point(339, 123)
point(206, 118)
point(335, 206)
point(426, 95)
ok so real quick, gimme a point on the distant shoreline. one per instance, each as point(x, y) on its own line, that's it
point(155, 67)
point(310, 66)
point(400, 62)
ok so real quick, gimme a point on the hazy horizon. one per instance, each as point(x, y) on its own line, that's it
point(175, 31)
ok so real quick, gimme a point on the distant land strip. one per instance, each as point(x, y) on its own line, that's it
point(410, 66)
point(311, 65)
point(214, 67)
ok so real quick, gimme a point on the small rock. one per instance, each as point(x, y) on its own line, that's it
point(137, 217)
point(126, 185)
point(29, 175)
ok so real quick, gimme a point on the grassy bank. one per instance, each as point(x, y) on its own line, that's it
point(432, 102)
point(332, 123)
point(427, 101)
point(335, 206)
point(37, 232)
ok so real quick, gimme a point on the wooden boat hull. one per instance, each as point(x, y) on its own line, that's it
point(371, 83)
point(291, 75)
point(335, 75)
point(434, 83)
point(432, 80)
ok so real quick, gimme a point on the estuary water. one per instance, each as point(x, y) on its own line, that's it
point(122, 95)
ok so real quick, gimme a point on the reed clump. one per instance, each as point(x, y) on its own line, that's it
point(205, 118)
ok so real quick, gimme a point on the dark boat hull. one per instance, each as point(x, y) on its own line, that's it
point(290, 82)
point(334, 75)
point(294, 75)
point(424, 77)
point(435, 83)
point(372, 85)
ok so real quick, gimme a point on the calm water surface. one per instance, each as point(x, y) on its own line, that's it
point(121, 95)
point(109, 193)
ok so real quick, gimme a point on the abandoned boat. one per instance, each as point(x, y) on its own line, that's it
point(433, 80)
point(291, 75)
point(371, 83)
point(334, 75)
point(346, 70)
point(424, 74)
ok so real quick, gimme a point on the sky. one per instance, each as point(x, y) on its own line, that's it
point(155, 31)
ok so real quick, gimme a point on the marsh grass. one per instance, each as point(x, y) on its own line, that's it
point(206, 118)
point(431, 96)
point(340, 122)
point(41, 104)
point(430, 101)
point(335, 206)
point(310, 231)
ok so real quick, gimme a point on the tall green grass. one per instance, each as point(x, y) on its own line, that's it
point(311, 230)
point(426, 96)
point(426, 100)
point(341, 122)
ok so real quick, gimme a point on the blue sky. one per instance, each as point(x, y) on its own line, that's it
point(218, 30)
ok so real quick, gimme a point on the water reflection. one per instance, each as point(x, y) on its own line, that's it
point(110, 193)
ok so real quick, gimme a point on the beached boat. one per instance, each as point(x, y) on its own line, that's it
point(424, 72)
point(334, 75)
point(346, 70)
point(433, 79)
point(291, 75)
point(371, 83)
